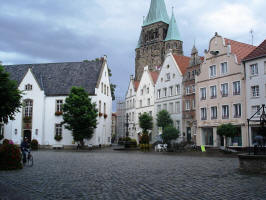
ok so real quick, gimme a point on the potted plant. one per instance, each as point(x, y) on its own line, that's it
point(58, 113)
point(58, 137)
point(105, 116)
point(27, 119)
point(100, 114)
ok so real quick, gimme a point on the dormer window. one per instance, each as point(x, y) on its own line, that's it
point(168, 76)
point(28, 87)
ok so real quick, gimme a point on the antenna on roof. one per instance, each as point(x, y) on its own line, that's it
point(252, 36)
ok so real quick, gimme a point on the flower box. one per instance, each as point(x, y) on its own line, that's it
point(58, 113)
point(27, 119)
point(105, 116)
point(58, 137)
point(100, 114)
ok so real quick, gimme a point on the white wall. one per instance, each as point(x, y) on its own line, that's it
point(170, 66)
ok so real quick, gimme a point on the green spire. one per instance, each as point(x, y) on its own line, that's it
point(157, 13)
point(173, 32)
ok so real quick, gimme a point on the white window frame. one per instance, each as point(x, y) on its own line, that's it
point(215, 92)
point(158, 93)
point(237, 114)
point(221, 68)
point(256, 91)
point(228, 112)
point(202, 117)
point(216, 116)
point(210, 71)
point(233, 89)
point(187, 90)
point(254, 70)
point(223, 94)
point(253, 110)
point(201, 96)
point(59, 105)
point(58, 129)
point(187, 105)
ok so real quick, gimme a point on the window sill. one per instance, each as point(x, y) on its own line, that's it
point(214, 97)
point(225, 117)
point(237, 117)
point(224, 95)
point(213, 118)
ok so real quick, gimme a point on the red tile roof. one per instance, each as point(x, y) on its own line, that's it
point(136, 85)
point(183, 62)
point(259, 52)
point(154, 76)
point(240, 49)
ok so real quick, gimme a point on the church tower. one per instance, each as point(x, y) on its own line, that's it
point(158, 35)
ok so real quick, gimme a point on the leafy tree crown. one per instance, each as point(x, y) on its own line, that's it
point(145, 122)
point(164, 119)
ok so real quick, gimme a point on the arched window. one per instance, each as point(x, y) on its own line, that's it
point(28, 108)
point(28, 87)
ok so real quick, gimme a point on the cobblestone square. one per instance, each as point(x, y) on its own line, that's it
point(107, 174)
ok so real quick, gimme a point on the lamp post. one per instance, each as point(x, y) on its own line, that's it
point(127, 125)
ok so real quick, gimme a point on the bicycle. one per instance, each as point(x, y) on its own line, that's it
point(29, 158)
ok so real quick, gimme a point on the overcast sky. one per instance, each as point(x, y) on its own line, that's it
point(36, 31)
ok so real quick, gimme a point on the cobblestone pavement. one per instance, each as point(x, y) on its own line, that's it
point(130, 175)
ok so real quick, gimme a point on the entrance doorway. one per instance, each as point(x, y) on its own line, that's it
point(27, 134)
point(188, 134)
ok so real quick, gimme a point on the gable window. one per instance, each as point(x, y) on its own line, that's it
point(213, 92)
point(212, 71)
point(168, 76)
point(148, 90)
point(224, 69)
point(177, 89)
point(107, 91)
point(158, 94)
point(203, 112)
point(130, 92)
point(202, 93)
point(254, 69)
point(141, 91)
point(237, 110)
point(59, 105)
point(102, 87)
point(58, 130)
point(264, 67)
point(224, 89)
point(28, 108)
point(225, 111)
point(214, 112)
point(28, 87)
point(255, 91)
point(236, 88)
point(171, 91)
point(165, 92)
point(149, 102)
point(187, 105)
point(187, 90)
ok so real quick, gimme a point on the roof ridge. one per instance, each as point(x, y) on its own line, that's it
point(240, 42)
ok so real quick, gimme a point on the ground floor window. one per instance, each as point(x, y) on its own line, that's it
point(256, 131)
point(207, 136)
point(237, 140)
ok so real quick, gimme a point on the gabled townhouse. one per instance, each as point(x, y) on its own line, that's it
point(45, 88)
point(131, 107)
point(145, 97)
point(255, 73)
point(220, 96)
point(169, 89)
point(189, 101)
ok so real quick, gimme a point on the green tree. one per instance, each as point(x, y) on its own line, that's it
point(227, 131)
point(169, 133)
point(10, 97)
point(145, 122)
point(164, 119)
point(80, 114)
point(112, 86)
